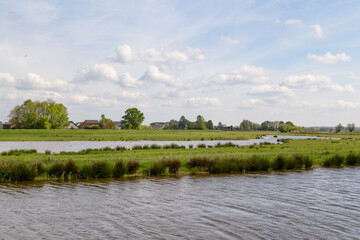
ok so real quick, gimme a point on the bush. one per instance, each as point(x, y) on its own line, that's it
point(352, 159)
point(157, 168)
point(56, 169)
point(132, 166)
point(120, 169)
point(203, 163)
point(334, 161)
point(101, 169)
point(70, 169)
point(173, 165)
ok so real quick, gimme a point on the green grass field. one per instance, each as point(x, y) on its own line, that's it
point(135, 135)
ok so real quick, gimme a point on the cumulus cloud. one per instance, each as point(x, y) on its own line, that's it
point(252, 103)
point(98, 101)
point(131, 95)
point(35, 81)
point(229, 40)
point(330, 58)
point(170, 93)
point(293, 22)
point(11, 96)
point(316, 83)
point(318, 30)
point(99, 72)
point(202, 102)
point(245, 75)
point(354, 77)
point(124, 54)
point(127, 80)
point(153, 74)
point(347, 104)
point(268, 90)
point(78, 98)
point(6, 80)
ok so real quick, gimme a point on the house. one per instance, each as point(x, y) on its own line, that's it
point(89, 124)
point(9, 125)
point(72, 125)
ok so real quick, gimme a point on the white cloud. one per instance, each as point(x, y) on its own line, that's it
point(127, 80)
point(329, 58)
point(99, 72)
point(252, 103)
point(316, 83)
point(154, 75)
point(293, 22)
point(131, 95)
point(245, 75)
point(202, 102)
point(318, 30)
point(268, 90)
point(354, 77)
point(6, 80)
point(151, 55)
point(170, 93)
point(124, 54)
point(79, 98)
point(346, 104)
point(35, 81)
point(229, 40)
point(11, 96)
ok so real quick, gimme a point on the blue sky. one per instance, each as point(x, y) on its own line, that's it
point(225, 60)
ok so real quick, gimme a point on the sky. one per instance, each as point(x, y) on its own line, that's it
point(226, 60)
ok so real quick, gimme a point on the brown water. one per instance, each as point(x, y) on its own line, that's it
point(317, 204)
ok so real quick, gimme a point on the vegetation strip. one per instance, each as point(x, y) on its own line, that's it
point(11, 171)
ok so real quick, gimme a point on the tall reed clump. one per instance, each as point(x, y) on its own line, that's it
point(56, 169)
point(157, 168)
point(334, 161)
point(172, 164)
point(353, 159)
point(279, 163)
point(100, 169)
point(71, 170)
point(16, 171)
point(229, 165)
point(132, 166)
point(120, 169)
point(257, 163)
point(203, 163)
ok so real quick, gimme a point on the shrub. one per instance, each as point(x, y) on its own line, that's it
point(279, 163)
point(157, 168)
point(132, 166)
point(334, 161)
point(56, 169)
point(120, 169)
point(352, 159)
point(203, 163)
point(100, 169)
point(173, 164)
point(70, 169)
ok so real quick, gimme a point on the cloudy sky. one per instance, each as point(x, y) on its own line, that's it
point(225, 60)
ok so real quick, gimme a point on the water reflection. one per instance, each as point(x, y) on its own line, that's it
point(317, 204)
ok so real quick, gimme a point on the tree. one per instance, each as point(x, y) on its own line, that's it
point(209, 125)
point(43, 115)
point(132, 119)
point(106, 123)
point(246, 125)
point(351, 127)
point(338, 128)
point(200, 123)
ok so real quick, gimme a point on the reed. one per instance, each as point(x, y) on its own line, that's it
point(227, 166)
point(132, 166)
point(19, 171)
point(71, 169)
point(279, 163)
point(173, 164)
point(201, 145)
point(334, 161)
point(203, 163)
point(56, 169)
point(101, 169)
point(352, 159)
point(38, 168)
point(120, 169)
point(257, 163)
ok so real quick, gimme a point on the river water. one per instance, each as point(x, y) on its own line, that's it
point(317, 204)
point(75, 146)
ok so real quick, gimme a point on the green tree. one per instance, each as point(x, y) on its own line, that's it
point(246, 125)
point(200, 123)
point(209, 125)
point(351, 127)
point(106, 123)
point(47, 114)
point(338, 128)
point(132, 119)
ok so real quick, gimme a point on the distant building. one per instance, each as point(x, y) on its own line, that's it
point(72, 125)
point(159, 125)
point(91, 123)
point(9, 125)
point(118, 124)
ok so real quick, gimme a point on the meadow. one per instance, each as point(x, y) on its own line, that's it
point(291, 155)
point(135, 135)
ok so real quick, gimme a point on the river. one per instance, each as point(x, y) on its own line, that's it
point(317, 204)
point(75, 146)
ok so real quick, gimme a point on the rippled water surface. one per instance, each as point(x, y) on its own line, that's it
point(317, 204)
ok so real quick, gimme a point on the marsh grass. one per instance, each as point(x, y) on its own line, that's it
point(132, 166)
point(71, 169)
point(334, 161)
point(353, 159)
point(101, 169)
point(56, 169)
point(38, 168)
point(203, 163)
point(172, 164)
point(120, 169)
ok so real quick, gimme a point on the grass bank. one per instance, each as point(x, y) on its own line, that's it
point(294, 154)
